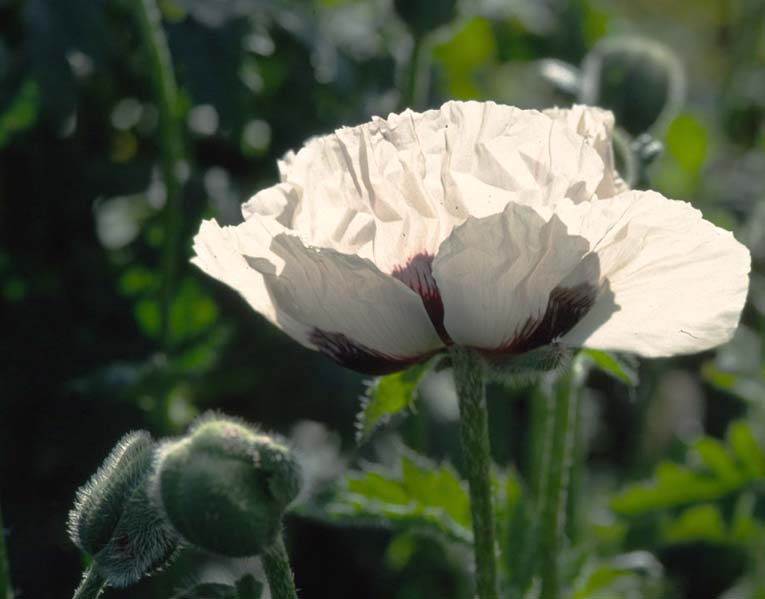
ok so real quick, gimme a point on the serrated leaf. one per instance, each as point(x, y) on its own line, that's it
point(387, 396)
point(672, 486)
point(420, 495)
point(612, 365)
point(718, 474)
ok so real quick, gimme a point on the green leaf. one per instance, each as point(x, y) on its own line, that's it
point(717, 460)
point(387, 396)
point(419, 495)
point(472, 49)
point(22, 111)
point(721, 470)
point(636, 574)
point(687, 142)
point(612, 365)
point(744, 387)
point(697, 523)
point(746, 449)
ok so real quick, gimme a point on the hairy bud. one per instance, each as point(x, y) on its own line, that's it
point(640, 80)
point(113, 519)
point(224, 487)
point(422, 16)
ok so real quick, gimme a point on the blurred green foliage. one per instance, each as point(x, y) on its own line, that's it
point(672, 502)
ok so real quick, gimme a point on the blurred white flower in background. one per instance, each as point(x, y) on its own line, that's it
point(488, 226)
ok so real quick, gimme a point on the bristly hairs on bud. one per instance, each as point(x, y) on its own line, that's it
point(130, 455)
point(225, 485)
point(114, 521)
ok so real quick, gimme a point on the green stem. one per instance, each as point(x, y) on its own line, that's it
point(416, 83)
point(91, 587)
point(6, 590)
point(474, 431)
point(170, 146)
point(276, 563)
point(561, 411)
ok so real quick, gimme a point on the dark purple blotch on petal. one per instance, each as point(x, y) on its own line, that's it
point(566, 306)
point(358, 357)
point(417, 274)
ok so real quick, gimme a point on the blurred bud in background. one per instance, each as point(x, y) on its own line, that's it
point(639, 79)
point(113, 519)
point(423, 16)
point(225, 486)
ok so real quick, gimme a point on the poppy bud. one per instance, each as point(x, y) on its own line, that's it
point(422, 16)
point(640, 80)
point(224, 487)
point(113, 519)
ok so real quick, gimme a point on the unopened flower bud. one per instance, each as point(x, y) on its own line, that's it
point(224, 487)
point(113, 519)
point(640, 80)
point(422, 16)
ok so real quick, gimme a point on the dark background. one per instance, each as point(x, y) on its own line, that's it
point(81, 240)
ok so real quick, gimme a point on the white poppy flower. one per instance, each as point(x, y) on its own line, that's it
point(500, 229)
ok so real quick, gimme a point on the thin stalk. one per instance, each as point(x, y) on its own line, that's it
point(6, 590)
point(578, 453)
point(170, 146)
point(474, 432)
point(416, 82)
point(276, 563)
point(554, 492)
point(91, 587)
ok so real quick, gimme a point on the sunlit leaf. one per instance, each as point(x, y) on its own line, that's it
point(387, 396)
point(746, 449)
point(687, 141)
point(471, 49)
point(418, 496)
point(697, 523)
point(613, 365)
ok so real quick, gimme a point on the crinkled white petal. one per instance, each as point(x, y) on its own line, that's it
point(302, 289)
point(597, 127)
point(220, 252)
point(496, 273)
point(676, 283)
point(395, 187)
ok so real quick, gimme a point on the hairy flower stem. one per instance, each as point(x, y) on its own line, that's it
point(474, 432)
point(6, 590)
point(91, 587)
point(276, 563)
point(562, 409)
point(170, 146)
